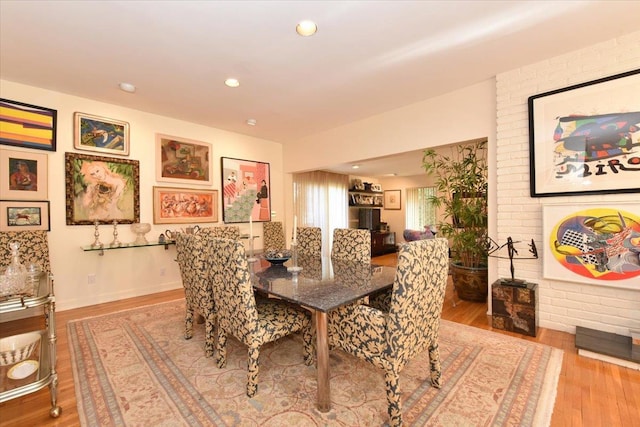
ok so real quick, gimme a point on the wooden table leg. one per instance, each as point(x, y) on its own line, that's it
point(322, 352)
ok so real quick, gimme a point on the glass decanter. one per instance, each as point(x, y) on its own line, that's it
point(16, 273)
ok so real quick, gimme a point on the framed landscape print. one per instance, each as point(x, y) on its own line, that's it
point(102, 189)
point(94, 133)
point(182, 160)
point(184, 205)
point(27, 126)
point(592, 243)
point(585, 139)
point(24, 175)
point(245, 190)
point(22, 215)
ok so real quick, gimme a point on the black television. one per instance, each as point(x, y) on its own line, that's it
point(369, 219)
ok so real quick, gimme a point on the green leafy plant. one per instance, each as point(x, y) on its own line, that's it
point(461, 183)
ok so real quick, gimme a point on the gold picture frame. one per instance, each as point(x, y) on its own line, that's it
point(184, 205)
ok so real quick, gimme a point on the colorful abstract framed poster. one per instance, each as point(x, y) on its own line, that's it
point(182, 160)
point(24, 175)
point(245, 190)
point(94, 133)
point(184, 205)
point(28, 126)
point(597, 244)
point(101, 189)
point(585, 139)
point(21, 215)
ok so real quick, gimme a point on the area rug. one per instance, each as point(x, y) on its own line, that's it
point(134, 368)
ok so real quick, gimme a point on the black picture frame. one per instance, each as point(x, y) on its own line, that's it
point(27, 126)
point(585, 138)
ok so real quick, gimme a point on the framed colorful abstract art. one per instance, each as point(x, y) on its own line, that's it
point(245, 190)
point(597, 244)
point(184, 205)
point(182, 160)
point(27, 126)
point(585, 139)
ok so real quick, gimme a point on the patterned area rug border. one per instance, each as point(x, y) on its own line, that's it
point(133, 367)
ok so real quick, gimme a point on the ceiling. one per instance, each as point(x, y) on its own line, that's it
point(367, 57)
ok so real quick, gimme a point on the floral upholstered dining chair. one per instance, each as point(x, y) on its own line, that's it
point(352, 244)
point(223, 231)
point(191, 251)
point(309, 241)
point(34, 248)
point(253, 321)
point(273, 236)
point(390, 340)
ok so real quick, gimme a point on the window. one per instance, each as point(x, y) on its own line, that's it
point(419, 210)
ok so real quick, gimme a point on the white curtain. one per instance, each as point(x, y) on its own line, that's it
point(419, 210)
point(320, 199)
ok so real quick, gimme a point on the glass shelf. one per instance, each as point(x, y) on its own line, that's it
point(107, 247)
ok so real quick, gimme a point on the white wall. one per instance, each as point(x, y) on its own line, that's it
point(563, 305)
point(130, 272)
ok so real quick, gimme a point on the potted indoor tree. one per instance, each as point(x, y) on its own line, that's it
point(461, 200)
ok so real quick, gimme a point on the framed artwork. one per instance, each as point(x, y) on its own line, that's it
point(182, 160)
point(392, 199)
point(102, 189)
point(24, 175)
point(597, 244)
point(585, 139)
point(94, 133)
point(28, 126)
point(245, 190)
point(22, 215)
point(184, 205)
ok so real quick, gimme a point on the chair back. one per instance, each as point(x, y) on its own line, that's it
point(417, 297)
point(309, 241)
point(232, 289)
point(222, 232)
point(192, 257)
point(352, 244)
point(273, 236)
point(34, 248)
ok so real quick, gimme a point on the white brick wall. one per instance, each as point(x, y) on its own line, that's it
point(562, 305)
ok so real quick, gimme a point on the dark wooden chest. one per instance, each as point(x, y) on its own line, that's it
point(514, 308)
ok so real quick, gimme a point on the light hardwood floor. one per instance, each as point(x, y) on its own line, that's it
point(590, 393)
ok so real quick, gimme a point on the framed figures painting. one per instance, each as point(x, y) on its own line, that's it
point(27, 126)
point(101, 189)
point(100, 134)
point(593, 243)
point(182, 160)
point(24, 175)
point(184, 205)
point(585, 139)
point(245, 190)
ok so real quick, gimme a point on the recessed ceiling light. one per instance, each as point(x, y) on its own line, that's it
point(306, 28)
point(355, 167)
point(127, 87)
point(232, 82)
point(251, 122)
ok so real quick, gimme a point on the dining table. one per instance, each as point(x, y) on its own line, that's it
point(323, 284)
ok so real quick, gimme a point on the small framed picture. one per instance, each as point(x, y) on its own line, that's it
point(100, 134)
point(22, 215)
point(27, 126)
point(182, 160)
point(24, 175)
point(392, 199)
point(184, 205)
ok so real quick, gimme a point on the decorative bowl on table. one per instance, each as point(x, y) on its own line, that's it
point(277, 257)
point(17, 348)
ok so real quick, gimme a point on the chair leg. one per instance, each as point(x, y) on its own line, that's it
point(434, 363)
point(392, 380)
point(221, 347)
point(188, 324)
point(253, 368)
point(309, 347)
point(209, 335)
